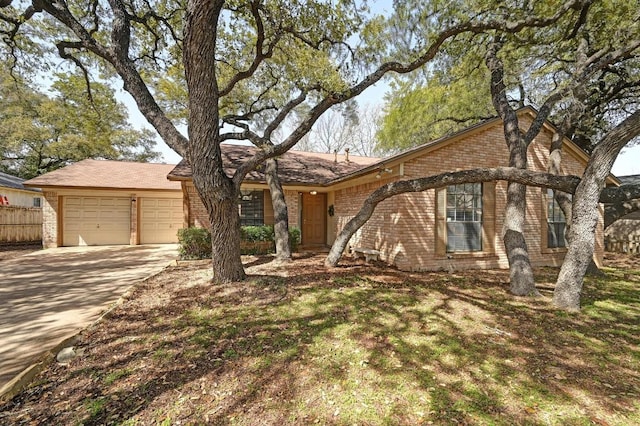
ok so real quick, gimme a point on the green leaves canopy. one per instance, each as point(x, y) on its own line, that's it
point(569, 63)
point(41, 132)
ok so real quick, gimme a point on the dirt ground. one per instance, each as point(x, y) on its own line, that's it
point(622, 260)
point(138, 366)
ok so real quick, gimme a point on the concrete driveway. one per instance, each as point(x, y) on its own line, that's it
point(51, 294)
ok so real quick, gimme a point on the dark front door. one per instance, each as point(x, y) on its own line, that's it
point(314, 219)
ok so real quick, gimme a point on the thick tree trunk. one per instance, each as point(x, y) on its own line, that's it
point(585, 212)
point(225, 239)
point(520, 270)
point(562, 198)
point(280, 212)
point(217, 191)
point(220, 200)
point(581, 245)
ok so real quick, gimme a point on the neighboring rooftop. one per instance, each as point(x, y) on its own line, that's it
point(294, 167)
point(9, 181)
point(108, 174)
point(629, 180)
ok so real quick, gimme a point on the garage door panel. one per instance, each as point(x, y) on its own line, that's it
point(160, 219)
point(96, 220)
point(164, 215)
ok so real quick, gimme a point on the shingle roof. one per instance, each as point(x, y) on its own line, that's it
point(108, 174)
point(9, 181)
point(294, 167)
point(630, 179)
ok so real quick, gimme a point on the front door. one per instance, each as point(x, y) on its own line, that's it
point(314, 219)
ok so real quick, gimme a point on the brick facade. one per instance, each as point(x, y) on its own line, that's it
point(408, 229)
point(403, 228)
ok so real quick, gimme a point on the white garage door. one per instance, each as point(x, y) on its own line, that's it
point(160, 219)
point(94, 221)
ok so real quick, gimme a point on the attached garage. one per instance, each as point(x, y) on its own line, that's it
point(100, 202)
point(160, 219)
point(95, 221)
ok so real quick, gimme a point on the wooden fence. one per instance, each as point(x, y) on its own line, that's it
point(20, 224)
point(630, 245)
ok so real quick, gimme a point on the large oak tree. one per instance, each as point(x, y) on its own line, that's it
point(245, 62)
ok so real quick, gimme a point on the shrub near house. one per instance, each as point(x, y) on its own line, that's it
point(195, 243)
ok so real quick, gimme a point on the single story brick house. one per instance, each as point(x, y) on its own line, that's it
point(453, 227)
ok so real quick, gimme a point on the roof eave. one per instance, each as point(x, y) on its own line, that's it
point(101, 188)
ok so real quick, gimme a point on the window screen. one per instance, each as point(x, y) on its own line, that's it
point(556, 223)
point(251, 208)
point(464, 217)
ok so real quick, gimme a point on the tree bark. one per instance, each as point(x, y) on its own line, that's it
point(585, 206)
point(520, 271)
point(280, 211)
point(218, 192)
point(581, 244)
point(225, 237)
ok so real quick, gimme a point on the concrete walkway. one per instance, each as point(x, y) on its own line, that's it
point(52, 294)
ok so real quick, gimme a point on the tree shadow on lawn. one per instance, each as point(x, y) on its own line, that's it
point(359, 344)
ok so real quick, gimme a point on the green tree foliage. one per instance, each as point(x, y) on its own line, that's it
point(448, 101)
point(538, 62)
point(42, 132)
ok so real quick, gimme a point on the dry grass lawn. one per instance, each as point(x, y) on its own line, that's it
point(359, 345)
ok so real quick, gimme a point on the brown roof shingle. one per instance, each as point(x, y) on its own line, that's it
point(294, 167)
point(108, 174)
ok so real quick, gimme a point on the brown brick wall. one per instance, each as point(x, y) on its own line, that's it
point(291, 198)
point(198, 215)
point(403, 227)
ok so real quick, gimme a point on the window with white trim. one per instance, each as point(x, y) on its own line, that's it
point(464, 217)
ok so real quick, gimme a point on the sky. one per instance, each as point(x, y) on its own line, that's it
point(628, 162)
